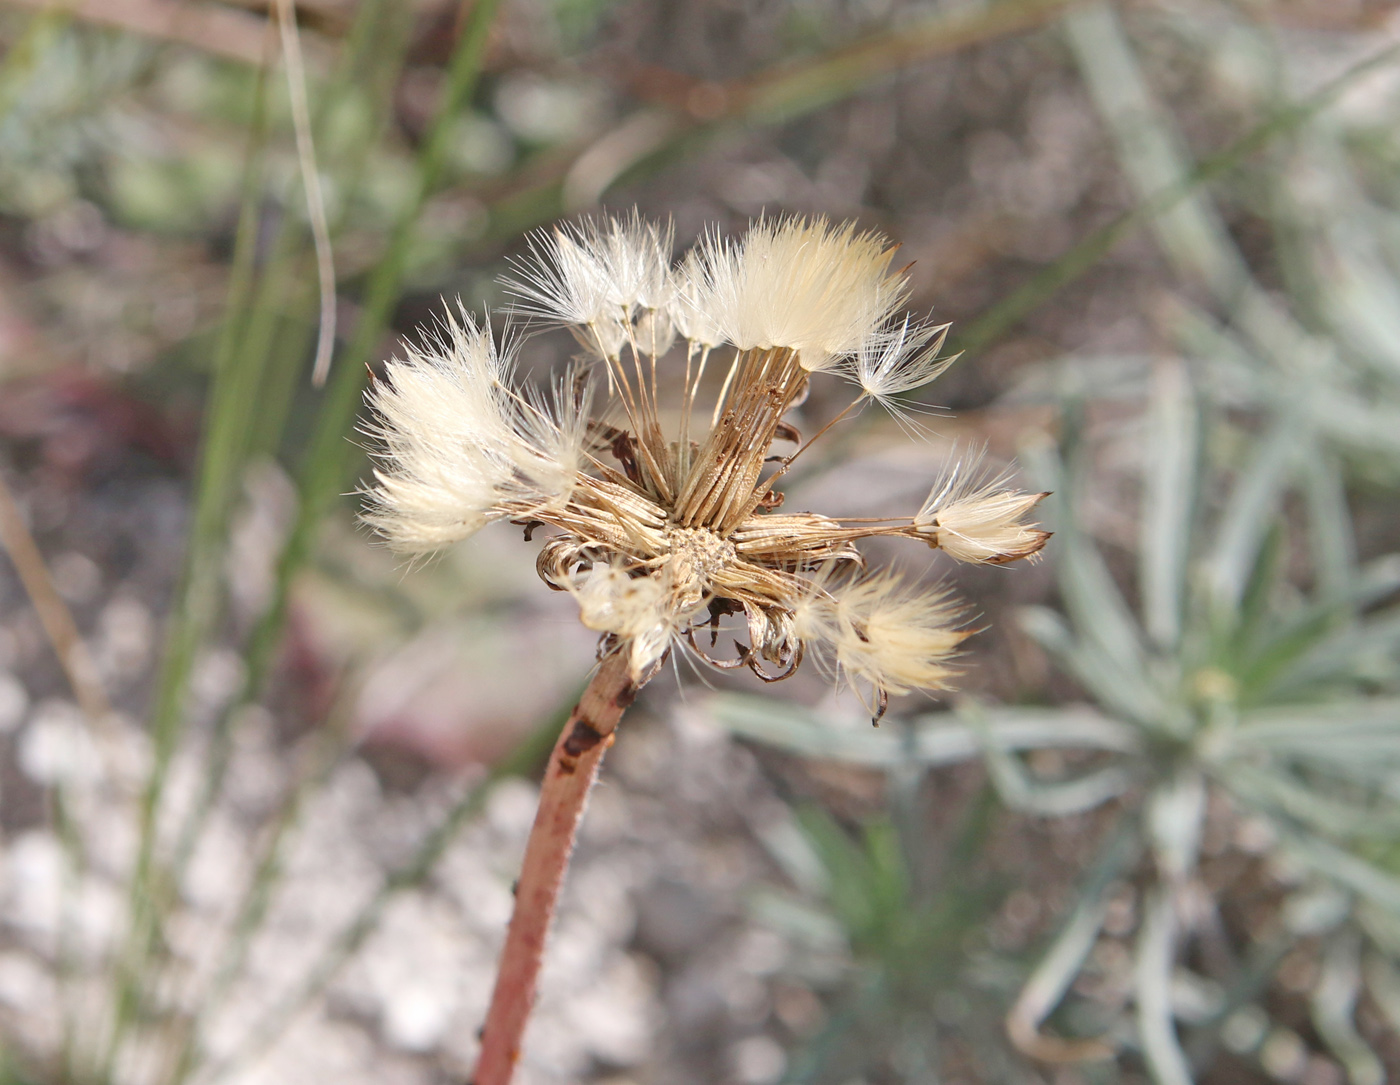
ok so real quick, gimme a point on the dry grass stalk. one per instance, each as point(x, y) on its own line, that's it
point(53, 612)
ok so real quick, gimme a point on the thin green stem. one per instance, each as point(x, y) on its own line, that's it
point(198, 595)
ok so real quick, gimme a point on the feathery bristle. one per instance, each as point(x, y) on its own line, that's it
point(552, 432)
point(895, 361)
point(694, 320)
point(445, 421)
point(597, 275)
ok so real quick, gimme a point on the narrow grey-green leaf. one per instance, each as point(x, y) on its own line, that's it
point(1168, 502)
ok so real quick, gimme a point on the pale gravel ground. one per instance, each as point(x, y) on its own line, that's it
point(408, 1006)
point(654, 974)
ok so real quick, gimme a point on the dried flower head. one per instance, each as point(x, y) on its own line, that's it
point(661, 530)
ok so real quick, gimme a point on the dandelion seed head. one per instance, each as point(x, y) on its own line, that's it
point(659, 513)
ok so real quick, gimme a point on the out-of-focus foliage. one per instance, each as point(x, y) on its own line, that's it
point(1244, 734)
point(1211, 773)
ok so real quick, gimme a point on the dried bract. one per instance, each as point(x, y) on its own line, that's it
point(980, 519)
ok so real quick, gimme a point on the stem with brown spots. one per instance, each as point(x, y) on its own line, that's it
point(573, 768)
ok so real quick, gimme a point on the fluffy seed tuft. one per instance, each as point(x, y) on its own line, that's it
point(976, 518)
point(883, 632)
point(598, 276)
point(818, 289)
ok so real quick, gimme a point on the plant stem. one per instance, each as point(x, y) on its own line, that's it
point(573, 768)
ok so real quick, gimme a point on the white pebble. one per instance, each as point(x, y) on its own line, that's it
point(14, 701)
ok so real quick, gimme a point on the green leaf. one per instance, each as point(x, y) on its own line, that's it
point(941, 738)
point(1152, 982)
point(1109, 654)
point(1168, 503)
point(1249, 512)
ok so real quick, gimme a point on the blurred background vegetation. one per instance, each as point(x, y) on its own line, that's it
point(262, 789)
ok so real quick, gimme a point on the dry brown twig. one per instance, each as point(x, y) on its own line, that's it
point(311, 181)
point(220, 31)
point(53, 612)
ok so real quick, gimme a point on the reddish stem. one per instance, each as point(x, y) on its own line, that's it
point(573, 767)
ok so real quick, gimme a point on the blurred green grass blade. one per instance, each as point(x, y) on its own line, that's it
point(850, 876)
point(331, 447)
point(1098, 611)
point(933, 740)
point(1354, 283)
point(889, 884)
point(785, 92)
point(1152, 985)
point(1329, 525)
point(1249, 513)
point(1281, 793)
point(198, 594)
point(1351, 872)
point(1354, 422)
point(326, 460)
point(1169, 503)
point(1261, 633)
point(1362, 728)
point(1116, 692)
point(1023, 728)
point(279, 331)
point(330, 453)
point(287, 352)
point(799, 88)
point(1152, 154)
point(810, 925)
point(1109, 640)
point(1368, 650)
point(1175, 819)
point(782, 838)
point(1086, 253)
point(1060, 964)
point(1020, 791)
point(1231, 372)
point(232, 400)
point(1383, 985)
point(1149, 150)
point(1273, 644)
